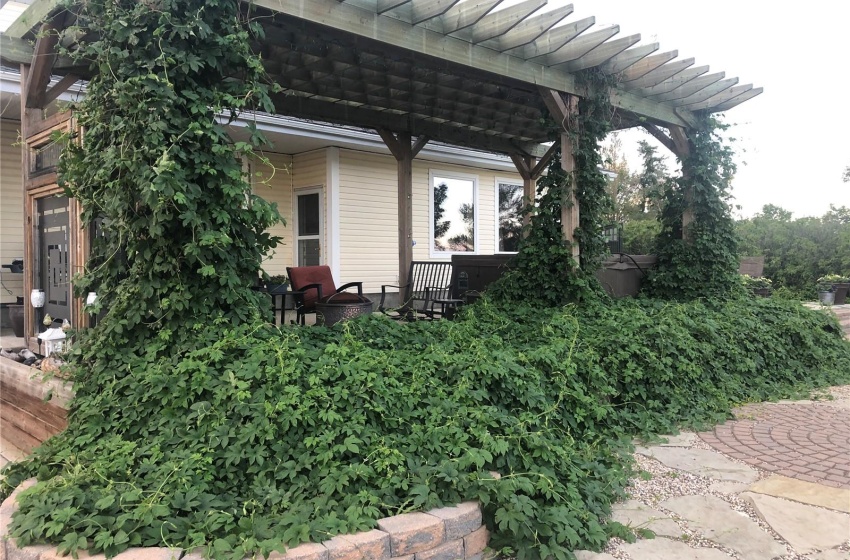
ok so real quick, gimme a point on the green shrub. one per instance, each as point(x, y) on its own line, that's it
point(248, 438)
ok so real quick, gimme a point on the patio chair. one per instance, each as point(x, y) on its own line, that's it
point(315, 284)
point(427, 282)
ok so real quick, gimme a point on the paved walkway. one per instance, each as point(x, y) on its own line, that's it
point(799, 440)
point(772, 484)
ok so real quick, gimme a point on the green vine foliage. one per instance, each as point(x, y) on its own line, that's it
point(182, 235)
point(259, 438)
point(705, 265)
point(544, 269)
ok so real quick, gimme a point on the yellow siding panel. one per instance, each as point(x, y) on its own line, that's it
point(274, 184)
point(368, 219)
point(369, 214)
point(11, 210)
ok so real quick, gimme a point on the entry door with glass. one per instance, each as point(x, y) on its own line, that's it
point(309, 227)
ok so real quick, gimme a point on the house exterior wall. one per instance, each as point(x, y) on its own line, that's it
point(273, 182)
point(368, 185)
point(11, 210)
point(358, 187)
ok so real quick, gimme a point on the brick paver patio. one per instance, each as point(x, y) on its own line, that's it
point(806, 441)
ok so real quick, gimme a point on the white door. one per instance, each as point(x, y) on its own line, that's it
point(308, 227)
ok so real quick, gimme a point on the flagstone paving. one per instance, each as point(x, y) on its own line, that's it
point(712, 495)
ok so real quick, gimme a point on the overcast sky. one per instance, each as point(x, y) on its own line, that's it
point(794, 136)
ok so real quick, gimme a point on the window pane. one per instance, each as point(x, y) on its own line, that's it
point(309, 253)
point(308, 214)
point(454, 215)
point(510, 217)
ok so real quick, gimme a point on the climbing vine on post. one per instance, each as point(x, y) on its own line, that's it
point(544, 270)
point(182, 235)
point(704, 262)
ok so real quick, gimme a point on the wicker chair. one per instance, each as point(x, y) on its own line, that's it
point(315, 284)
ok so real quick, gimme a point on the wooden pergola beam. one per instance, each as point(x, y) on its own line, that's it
point(350, 115)
point(420, 39)
point(44, 55)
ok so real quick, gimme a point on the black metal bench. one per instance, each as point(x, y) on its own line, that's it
point(427, 281)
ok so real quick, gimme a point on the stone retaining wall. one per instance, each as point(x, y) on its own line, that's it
point(449, 533)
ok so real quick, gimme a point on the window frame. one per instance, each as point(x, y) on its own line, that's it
point(506, 181)
point(296, 237)
point(444, 174)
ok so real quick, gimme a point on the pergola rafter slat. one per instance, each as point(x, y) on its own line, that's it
point(579, 47)
point(660, 74)
point(628, 58)
point(719, 98)
point(602, 53)
point(707, 92)
point(529, 30)
point(496, 24)
point(677, 81)
point(693, 86)
point(553, 39)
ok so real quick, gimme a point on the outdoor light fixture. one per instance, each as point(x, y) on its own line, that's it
point(37, 298)
point(54, 340)
point(91, 298)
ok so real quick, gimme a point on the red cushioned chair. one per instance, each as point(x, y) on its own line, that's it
point(314, 284)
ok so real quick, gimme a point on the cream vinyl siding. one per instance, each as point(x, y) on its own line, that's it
point(368, 214)
point(309, 171)
point(11, 210)
point(275, 185)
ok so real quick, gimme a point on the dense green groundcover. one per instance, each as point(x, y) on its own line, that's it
point(248, 438)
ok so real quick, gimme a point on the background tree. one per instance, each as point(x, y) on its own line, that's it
point(465, 241)
point(510, 217)
point(621, 184)
point(798, 251)
point(441, 226)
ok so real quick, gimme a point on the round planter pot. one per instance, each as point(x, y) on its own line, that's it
point(16, 318)
point(841, 293)
point(826, 298)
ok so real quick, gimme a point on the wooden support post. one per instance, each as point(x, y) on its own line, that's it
point(564, 112)
point(530, 170)
point(678, 143)
point(400, 146)
point(44, 55)
point(29, 269)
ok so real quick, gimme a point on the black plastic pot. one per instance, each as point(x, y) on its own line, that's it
point(16, 318)
point(841, 292)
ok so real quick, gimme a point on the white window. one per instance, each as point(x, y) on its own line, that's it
point(308, 227)
point(509, 205)
point(453, 213)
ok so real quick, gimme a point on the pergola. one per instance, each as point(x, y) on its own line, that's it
point(470, 73)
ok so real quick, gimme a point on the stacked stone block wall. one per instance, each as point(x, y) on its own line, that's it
point(449, 533)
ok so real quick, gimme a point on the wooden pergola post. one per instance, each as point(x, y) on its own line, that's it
point(530, 170)
point(400, 146)
point(564, 110)
point(678, 143)
point(36, 95)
